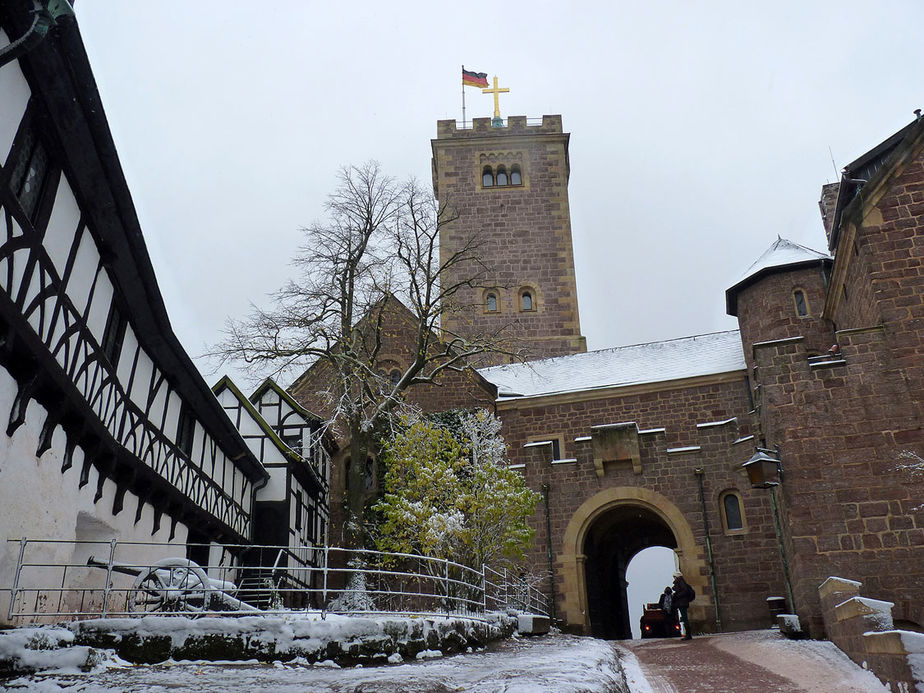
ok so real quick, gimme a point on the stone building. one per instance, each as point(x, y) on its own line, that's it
point(644, 445)
point(509, 187)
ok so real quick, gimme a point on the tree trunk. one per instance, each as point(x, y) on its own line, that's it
point(356, 486)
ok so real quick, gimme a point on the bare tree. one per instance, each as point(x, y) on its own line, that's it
point(379, 243)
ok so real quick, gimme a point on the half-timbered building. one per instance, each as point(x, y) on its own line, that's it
point(292, 509)
point(107, 430)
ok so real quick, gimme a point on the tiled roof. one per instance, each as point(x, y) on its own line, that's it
point(686, 357)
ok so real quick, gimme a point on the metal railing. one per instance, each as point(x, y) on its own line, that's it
point(56, 580)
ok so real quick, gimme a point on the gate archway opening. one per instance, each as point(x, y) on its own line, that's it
point(614, 538)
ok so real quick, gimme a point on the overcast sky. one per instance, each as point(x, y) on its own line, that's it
point(699, 130)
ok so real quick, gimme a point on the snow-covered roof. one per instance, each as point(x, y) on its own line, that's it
point(673, 359)
point(783, 253)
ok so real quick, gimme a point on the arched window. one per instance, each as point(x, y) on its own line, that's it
point(487, 177)
point(526, 301)
point(801, 303)
point(732, 512)
point(501, 175)
point(490, 303)
point(516, 178)
point(394, 375)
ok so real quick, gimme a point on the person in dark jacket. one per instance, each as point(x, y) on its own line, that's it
point(683, 595)
point(665, 601)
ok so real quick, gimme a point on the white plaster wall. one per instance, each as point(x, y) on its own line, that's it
point(85, 266)
point(41, 502)
point(275, 489)
point(14, 95)
point(142, 381)
point(62, 226)
point(127, 359)
point(99, 307)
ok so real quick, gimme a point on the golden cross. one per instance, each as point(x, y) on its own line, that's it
point(496, 90)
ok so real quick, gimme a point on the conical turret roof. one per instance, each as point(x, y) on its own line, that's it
point(781, 256)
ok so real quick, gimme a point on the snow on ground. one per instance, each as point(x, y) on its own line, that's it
point(815, 665)
point(560, 663)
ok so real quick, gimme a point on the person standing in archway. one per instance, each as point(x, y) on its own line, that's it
point(683, 595)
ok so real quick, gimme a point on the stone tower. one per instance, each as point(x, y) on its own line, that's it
point(509, 187)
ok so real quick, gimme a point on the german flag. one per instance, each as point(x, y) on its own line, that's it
point(474, 79)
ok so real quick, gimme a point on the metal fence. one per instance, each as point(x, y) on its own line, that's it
point(57, 580)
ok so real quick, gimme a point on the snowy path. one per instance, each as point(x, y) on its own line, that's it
point(559, 663)
point(753, 661)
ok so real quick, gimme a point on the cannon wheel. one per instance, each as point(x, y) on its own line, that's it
point(171, 585)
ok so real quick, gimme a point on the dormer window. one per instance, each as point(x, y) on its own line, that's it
point(487, 177)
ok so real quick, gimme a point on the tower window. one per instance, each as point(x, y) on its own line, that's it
point(526, 300)
point(487, 177)
point(490, 303)
point(501, 175)
point(732, 512)
point(516, 178)
point(394, 376)
point(801, 303)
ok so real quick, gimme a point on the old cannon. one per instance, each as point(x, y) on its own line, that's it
point(175, 585)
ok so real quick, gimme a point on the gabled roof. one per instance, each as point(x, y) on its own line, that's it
point(871, 168)
point(227, 384)
point(672, 359)
point(783, 255)
point(298, 464)
point(270, 384)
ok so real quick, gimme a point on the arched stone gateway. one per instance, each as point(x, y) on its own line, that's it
point(604, 533)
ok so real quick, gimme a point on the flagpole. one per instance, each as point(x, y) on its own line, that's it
point(463, 99)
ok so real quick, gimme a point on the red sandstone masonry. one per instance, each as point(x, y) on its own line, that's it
point(524, 231)
point(840, 431)
point(748, 568)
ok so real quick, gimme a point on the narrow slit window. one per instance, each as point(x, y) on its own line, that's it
point(801, 303)
point(487, 177)
point(185, 430)
point(114, 335)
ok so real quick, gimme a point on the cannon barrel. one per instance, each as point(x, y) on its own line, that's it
point(124, 568)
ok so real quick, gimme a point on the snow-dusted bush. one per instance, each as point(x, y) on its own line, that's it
point(449, 493)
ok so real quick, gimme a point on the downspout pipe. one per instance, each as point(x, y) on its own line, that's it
point(45, 19)
point(715, 591)
point(548, 547)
